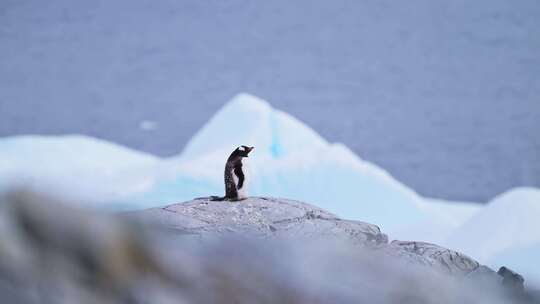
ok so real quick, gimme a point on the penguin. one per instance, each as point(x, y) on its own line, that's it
point(235, 176)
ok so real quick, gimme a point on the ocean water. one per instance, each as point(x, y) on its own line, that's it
point(442, 94)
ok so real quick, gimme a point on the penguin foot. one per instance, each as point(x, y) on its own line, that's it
point(237, 199)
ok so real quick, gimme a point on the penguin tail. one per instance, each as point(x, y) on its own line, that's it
point(217, 198)
point(211, 198)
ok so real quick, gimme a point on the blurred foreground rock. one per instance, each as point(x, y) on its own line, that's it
point(260, 250)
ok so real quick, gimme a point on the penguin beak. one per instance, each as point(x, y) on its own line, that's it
point(250, 149)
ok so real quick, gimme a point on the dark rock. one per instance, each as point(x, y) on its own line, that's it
point(485, 276)
point(511, 279)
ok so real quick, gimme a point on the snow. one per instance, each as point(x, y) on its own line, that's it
point(290, 160)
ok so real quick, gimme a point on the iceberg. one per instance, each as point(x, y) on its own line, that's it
point(248, 120)
point(443, 218)
point(290, 160)
point(90, 169)
point(506, 231)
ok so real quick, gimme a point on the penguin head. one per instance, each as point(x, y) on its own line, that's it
point(243, 151)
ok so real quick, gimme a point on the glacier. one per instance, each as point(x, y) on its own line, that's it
point(290, 160)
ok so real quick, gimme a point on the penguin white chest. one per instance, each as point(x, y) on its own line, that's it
point(242, 189)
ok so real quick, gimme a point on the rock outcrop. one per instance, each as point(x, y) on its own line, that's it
point(260, 217)
point(286, 219)
point(440, 258)
point(260, 250)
